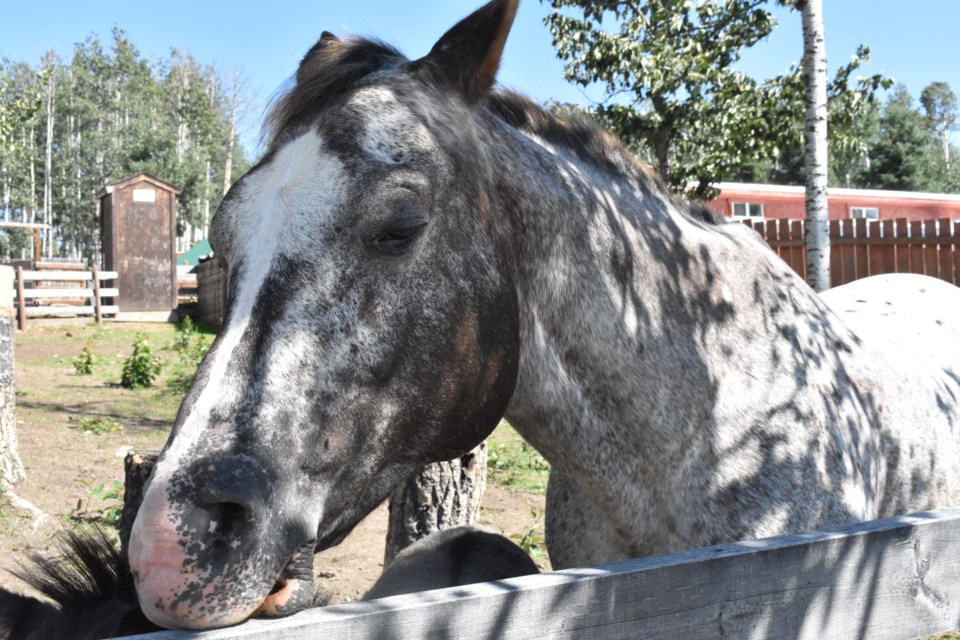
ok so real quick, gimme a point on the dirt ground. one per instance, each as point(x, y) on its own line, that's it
point(74, 431)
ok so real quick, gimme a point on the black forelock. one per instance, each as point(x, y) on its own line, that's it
point(329, 70)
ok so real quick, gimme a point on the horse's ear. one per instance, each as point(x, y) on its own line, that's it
point(467, 57)
point(326, 42)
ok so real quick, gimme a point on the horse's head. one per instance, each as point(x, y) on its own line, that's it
point(372, 327)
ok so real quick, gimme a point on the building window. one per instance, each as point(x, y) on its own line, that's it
point(870, 213)
point(744, 210)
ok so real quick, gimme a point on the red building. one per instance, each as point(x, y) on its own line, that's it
point(768, 201)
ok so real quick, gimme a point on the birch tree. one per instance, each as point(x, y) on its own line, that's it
point(673, 92)
point(940, 104)
point(815, 144)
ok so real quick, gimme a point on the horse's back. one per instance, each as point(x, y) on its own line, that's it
point(901, 309)
point(906, 366)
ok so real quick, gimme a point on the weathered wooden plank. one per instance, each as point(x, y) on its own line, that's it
point(886, 579)
point(931, 264)
point(860, 249)
point(67, 276)
point(65, 311)
point(798, 257)
point(875, 250)
point(69, 293)
point(945, 254)
point(916, 247)
point(836, 256)
point(903, 245)
point(849, 253)
point(888, 251)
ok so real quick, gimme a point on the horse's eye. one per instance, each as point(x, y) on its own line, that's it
point(398, 239)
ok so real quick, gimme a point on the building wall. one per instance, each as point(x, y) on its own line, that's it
point(791, 205)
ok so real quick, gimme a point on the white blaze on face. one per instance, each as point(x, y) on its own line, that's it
point(281, 208)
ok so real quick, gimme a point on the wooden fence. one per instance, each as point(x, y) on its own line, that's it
point(861, 248)
point(63, 293)
point(211, 292)
point(886, 579)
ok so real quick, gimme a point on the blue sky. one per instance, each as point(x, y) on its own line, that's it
point(914, 42)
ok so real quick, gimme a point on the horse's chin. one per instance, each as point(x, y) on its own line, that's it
point(289, 597)
point(293, 591)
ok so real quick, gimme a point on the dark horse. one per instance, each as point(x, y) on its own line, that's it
point(89, 590)
point(417, 256)
point(90, 593)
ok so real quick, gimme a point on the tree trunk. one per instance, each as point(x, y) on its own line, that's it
point(228, 163)
point(438, 496)
point(815, 141)
point(48, 160)
point(137, 467)
point(11, 469)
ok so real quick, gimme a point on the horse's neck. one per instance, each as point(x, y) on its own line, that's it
point(633, 316)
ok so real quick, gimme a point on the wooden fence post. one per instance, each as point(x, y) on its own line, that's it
point(21, 303)
point(137, 467)
point(11, 469)
point(97, 304)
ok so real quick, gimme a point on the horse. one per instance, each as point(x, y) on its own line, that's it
point(419, 254)
point(89, 590)
point(452, 557)
point(91, 594)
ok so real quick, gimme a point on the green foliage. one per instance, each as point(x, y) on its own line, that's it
point(142, 367)
point(185, 334)
point(532, 541)
point(83, 363)
point(673, 93)
point(114, 113)
point(112, 496)
point(513, 463)
point(97, 426)
point(21, 96)
point(190, 347)
point(903, 155)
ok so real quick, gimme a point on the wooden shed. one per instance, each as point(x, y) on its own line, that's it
point(138, 225)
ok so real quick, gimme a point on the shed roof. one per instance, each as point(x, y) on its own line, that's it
point(195, 254)
point(140, 177)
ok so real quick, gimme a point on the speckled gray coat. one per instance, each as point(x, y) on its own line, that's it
point(416, 257)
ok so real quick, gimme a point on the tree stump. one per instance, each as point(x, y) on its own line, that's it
point(137, 467)
point(11, 468)
point(438, 496)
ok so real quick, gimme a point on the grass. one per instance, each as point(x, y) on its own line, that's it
point(514, 464)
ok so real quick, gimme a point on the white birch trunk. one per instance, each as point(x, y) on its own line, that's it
point(33, 180)
point(11, 468)
point(48, 161)
point(815, 145)
point(6, 194)
point(228, 164)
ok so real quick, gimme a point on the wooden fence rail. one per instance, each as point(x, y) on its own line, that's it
point(861, 248)
point(63, 293)
point(886, 579)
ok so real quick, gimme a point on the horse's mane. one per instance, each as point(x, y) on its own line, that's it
point(589, 142)
point(90, 586)
point(333, 67)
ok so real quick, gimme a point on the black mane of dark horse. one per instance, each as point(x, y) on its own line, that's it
point(91, 590)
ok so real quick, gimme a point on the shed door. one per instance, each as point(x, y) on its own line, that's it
point(144, 254)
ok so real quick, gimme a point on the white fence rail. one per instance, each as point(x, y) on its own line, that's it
point(887, 579)
point(53, 296)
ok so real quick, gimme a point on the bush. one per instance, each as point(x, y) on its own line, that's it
point(141, 368)
point(83, 364)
